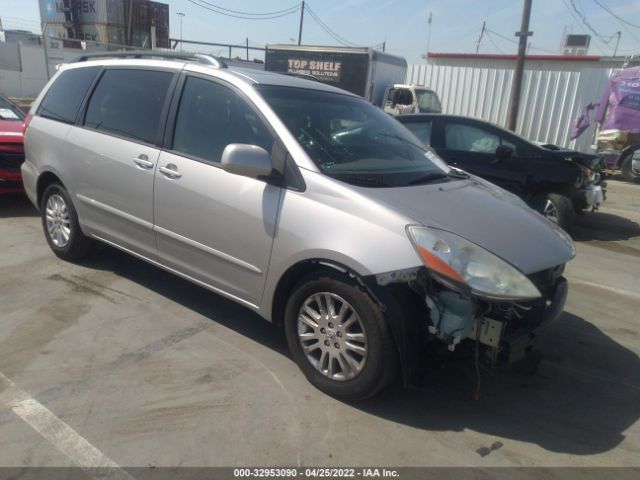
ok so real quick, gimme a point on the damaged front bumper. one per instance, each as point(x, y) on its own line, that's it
point(509, 342)
point(422, 310)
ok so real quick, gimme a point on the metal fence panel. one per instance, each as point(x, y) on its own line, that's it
point(550, 98)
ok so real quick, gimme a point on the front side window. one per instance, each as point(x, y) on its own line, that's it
point(63, 99)
point(212, 116)
point(129, 103)
point(466, 138)
point(353, 141)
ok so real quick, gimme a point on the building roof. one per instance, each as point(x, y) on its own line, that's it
point(491, 56)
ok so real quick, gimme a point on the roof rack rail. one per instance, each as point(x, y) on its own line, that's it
point(193, 57)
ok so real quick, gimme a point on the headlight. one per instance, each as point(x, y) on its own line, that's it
point(457, 259)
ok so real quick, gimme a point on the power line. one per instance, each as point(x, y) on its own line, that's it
point(615, 15)
point(287, 10)
point(515, 41)
point(326, 28)
point(243, 17)
point(621, 20)
point(578, 21)
point(585, 21)
point(490, 37)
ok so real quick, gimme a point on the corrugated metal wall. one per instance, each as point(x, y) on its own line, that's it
point(551, 98)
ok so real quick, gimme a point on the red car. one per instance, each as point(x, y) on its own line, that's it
point(11, 146)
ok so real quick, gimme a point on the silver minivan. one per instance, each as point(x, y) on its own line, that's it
point(302, 202)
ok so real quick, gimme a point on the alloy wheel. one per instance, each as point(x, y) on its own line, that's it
point(551, 211)
point(57, 220)
point(332, 336)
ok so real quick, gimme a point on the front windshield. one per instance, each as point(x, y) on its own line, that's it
point(428, 101)
point(351, 140)
point(9, 111)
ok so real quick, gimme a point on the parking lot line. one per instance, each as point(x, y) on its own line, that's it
point(59, 434)
point(619, 291)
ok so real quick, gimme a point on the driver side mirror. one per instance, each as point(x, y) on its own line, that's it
point(502, 153)
point(247, 160)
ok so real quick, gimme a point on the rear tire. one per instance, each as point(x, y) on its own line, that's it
point(628, 172)
point(350, 356)
point(61, 226)
point(556, 208)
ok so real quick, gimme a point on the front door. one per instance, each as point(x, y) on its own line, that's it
point(472, 147)
point(214, 226)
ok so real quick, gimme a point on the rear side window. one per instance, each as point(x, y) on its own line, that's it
point(129, 103)
point(62, 101)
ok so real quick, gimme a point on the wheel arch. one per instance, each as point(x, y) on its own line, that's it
point(44, 180)
point(627, 151)
point(295, 272)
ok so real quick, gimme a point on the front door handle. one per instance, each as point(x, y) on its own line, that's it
point(170, 171)
point(143, 162)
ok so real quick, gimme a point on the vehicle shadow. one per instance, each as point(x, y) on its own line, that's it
point(195, 298)
point(605, 227)
point(15, 205)
point(581, 400)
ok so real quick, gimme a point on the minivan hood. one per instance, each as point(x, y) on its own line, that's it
point(485, 215)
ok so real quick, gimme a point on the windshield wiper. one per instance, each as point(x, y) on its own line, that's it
point(427, 178)
point(457, 173)
point(363, 180)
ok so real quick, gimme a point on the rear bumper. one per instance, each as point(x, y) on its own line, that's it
point(10, 180)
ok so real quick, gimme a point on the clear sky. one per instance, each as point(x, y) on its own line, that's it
point(456, 24)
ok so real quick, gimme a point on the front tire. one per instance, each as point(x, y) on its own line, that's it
point(630, 172)
point(556, 208)
point(60, 224)
point(339, 337)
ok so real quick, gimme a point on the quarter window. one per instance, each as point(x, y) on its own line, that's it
point(212, 116)
point(62, 101)
point(129, 103)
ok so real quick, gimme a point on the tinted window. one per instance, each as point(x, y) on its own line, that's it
point(211, 116)
point(463, 137)
point(63, 99)
point(351, 140)
point(422, 130)
point(129, 103)
point(469, 138)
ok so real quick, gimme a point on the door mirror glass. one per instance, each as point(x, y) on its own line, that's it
point(503, 152)
point(247, 160)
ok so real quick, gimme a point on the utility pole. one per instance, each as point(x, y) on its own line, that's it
point(181, 15)
point(301, 21)
point(481, 36)
point(45, 41)
point(619, 34)
point(428, 37)
point(517, 76)
point(247, 49)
